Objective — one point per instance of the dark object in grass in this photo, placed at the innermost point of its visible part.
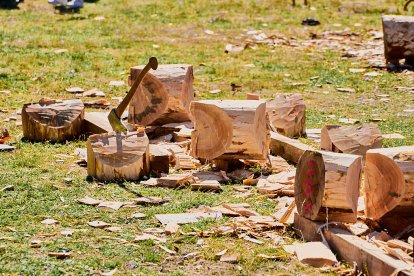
(10, 4)
(406, 4)
(310, 22)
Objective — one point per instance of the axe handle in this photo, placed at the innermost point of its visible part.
(152, 64)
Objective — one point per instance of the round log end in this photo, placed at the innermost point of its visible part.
(310, 184)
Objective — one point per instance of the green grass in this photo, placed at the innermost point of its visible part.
(101, 51)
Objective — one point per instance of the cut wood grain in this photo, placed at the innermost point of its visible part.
(327, 186)
(287, 115)
(166, 97)
(287, 148)
(96, 123)
(55, 121)
(370, 259)
(159, 159)
(116, 156)
(351, 139)
(389, 182)
(230, 129)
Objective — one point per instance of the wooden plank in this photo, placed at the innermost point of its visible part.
(369, 258)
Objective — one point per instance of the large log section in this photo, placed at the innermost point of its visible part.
(55, 121)
(287, 115)
(116, 156)
(327, 186)
(165, 95)
(351, 139)
(230, 129)
(389, 182)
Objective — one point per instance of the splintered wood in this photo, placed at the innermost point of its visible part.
(327, 186)
(52, 120)
(287, 115)
(389, 182)
(230, 129)
(351, 139)
(166, 95)
(116, 156)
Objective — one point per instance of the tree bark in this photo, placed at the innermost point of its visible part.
(55, 121)
(116, 156)
(230, 129)
(168, 92)
(389, 182)
(327, 186)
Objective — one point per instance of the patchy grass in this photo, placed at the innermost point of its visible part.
(173, 31)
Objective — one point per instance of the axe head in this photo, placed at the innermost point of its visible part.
(116, 122)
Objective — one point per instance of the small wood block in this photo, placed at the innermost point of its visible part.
(96, 123)
(315, 254)
(208, 185)
(159, 159)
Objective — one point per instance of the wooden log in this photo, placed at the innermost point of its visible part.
(168, 92)
(287, 115)
(398, 36)
(327, 186)
(370, 259)
(116, 156)
(351, 139)
(389, 182)
(230, 129)
(287, 148)
(55, 121)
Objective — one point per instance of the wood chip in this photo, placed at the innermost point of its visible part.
(75, 90)
(93, 93)
(185, 218)
(267, 257)
(7, 188)
(66, 232)
(60, 255)
(171, 228)
(207, 186)
(35, 243)
(101, 103)
(346, 90)
(98, 224)
(229, 258)
(49, 221)
(113, 229)
(145, 237)
(111, 205)
(166, 249)
(89, 201)
(116, 83)
(138, 215)
(150, 200)
(359, 228)
(315, 254)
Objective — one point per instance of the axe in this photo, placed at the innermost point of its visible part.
(114, 116)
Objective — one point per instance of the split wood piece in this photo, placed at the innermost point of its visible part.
(398, 36)
(287, 148)
(241, 209)
(406, 247)
(220, 176)
(316, 254)
(286, 208)
(287, 115)
(183, 135)
(167, 94)
(327, 186)
(207, 186)
(159, 159)
(351, 139)
(186, 162)
(55, 121)
(156, 131)
(116, 156)
(230, 129)
(96, 123)
(370, 259)
(175, 180)
(389, 182)
(279, 164)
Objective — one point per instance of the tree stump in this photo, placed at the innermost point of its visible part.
(116, 156)
(398, 38)
(230, 129)
(167, 95)
(55, 121)
(287, 115)
(327, 186)
(389, 182)
(350, 139)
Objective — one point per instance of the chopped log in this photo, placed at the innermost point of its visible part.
(287, 148)
(159, 159)
(351, 139)
(96, 123)
(370, 259)
(327, 186)
(55, 121)
(166, 96)
(116, 156)
(287, 115)
(230, 129)
(398, 36)
(389, 182)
